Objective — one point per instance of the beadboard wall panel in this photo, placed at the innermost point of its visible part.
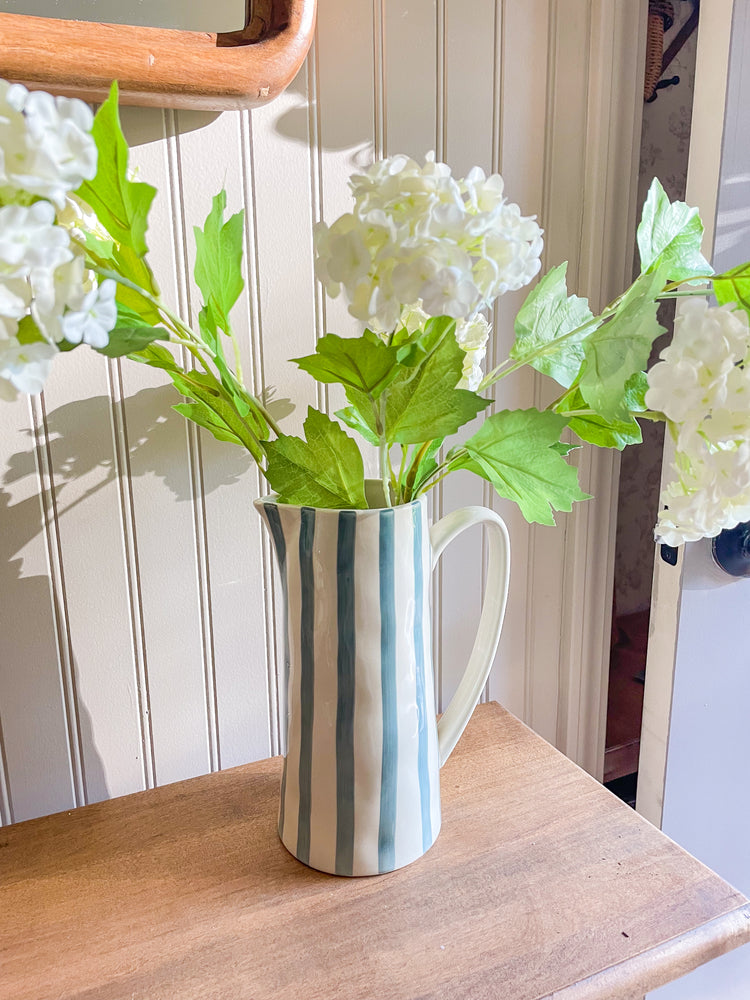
(140, 609)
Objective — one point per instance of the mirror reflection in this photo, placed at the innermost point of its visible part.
(198, 15)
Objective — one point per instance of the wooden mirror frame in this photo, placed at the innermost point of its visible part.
(161, 67)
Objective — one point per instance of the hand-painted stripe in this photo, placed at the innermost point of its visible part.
(277, 534)
(307, 677)
(389, 760)
(346, 691)
(422, 754)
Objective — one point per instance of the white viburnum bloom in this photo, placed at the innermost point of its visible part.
(30, 240)
(417, 235)
(47, 148)
(24, 367)
(15, 296)
(472, 336)
(92, 323)
(702, 386)
(60, 290)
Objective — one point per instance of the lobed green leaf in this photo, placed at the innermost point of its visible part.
(218, 260)
(620, 348)
(670, 235)
(424, 403)
(548, 315)
(518, 452)
(364, 363)
(324, 470)
(121, 205)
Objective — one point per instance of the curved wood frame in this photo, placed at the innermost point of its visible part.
(156, 66)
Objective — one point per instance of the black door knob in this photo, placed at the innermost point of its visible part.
(731, 550)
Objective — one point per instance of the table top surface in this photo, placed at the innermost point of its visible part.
(541, 884)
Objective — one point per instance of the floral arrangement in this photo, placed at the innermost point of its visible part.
(420, 258)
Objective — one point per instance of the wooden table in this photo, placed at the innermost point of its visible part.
(541, 884)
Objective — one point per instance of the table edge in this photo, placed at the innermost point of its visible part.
(654, 967)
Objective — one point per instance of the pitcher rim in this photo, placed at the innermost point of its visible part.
(272, 498)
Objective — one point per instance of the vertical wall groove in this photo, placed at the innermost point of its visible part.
(59, 601)
(378, 36)
(488, 494)
(6, 802)
(121, 453)
(275, 701)
(537, 381)
(316, 197)
(182, 269)
(437, 493)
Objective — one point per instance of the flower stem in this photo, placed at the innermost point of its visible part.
(385, 467)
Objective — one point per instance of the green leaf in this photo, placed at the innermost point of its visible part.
(126, 262)
(516, 451)
(595, 429)
(157, 357)
(128, 339)
(424, 403)
(218, 261)
(620, 348)
(121, 205)
(28, 332)
(363, 363)
(204, 388)
(607, 433)
(734, 286)
(354, 416)
(670, 234)
(414, 348)
(547, 315)
(325, 470)
(427, 465)
(200, 414)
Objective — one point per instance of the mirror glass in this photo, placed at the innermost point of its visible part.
(195, 15)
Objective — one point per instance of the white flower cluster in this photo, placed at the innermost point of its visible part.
(702, 386)
(46, 294)
(419, 238)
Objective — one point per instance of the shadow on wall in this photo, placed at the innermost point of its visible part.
(28, 674)
(32, 723)
(146, 454)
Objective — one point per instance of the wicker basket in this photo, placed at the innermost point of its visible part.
(660, 19)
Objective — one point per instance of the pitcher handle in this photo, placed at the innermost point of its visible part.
(458, 712)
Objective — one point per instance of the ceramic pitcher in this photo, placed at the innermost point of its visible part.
(360, 791)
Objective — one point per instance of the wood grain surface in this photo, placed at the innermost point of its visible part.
(161, 67)
(541, 885)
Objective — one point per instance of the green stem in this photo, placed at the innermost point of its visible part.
(237, 358)
(402, 472)
(549, 348)
(680, 294)
(385, 468)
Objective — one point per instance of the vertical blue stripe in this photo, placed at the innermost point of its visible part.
(423, 767)
(307, 677)
(345, 698)
(389, 764)
(277, 533)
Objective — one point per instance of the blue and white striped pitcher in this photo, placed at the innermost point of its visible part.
(360, 792)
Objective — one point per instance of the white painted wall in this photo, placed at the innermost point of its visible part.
(137, 605)
(707, 788)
